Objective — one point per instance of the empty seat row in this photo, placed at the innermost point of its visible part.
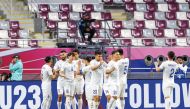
(61, 16)
(145, 1)
(18, 43)
(168, 7)
(138, 24)
(157, 33)
(6, 25)
(162, 15)
(14, 34)
(149, 42)
(66, 7)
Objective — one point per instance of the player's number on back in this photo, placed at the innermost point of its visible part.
(172, 73)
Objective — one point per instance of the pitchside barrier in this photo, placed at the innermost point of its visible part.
(141, 94)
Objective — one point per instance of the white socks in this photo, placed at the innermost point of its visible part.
(167, 103)
(68, 103)
(80, 103)
(59, 105)
(95, 105)
(118, 102)
(90, 104)
(73, 103)
(110, 103)
(123, 104)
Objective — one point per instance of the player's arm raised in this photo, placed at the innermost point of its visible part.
(158, 69)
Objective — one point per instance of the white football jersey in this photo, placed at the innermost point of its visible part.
(98, 74)
(75, 63)
(114, 76)
(169, 69)
(68, 70)
(87, 72)
(123, 65)
(58, 66)
(46, 71)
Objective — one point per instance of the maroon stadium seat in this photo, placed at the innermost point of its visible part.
(13, 34)
(33, 43)
(51, 24)
(12, 43)
(161, 24)
(173, 7)
(125, 42)
(116, 33)
(170, 15)
(14, 25)
(88, 7)
(43, 15)
(140, 24)
(151, 6)
(180, 32)
(170, 42)
(72, 24)
(72, 33)
(109, 2)
(131, 7)
(149, 15)
(43, 7)
(148, 42)
(149, 1)
(65, 7)
(137, 33)
(97, 24)
(106, 15)
(117, 24)
(159, 33)
(183, 23)
(63, 15)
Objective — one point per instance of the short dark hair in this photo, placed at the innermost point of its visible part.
(98, 52)
(76, 50)
(113, 52)
(63, 51)
(70, 54)
(16, 56)
(88, 58)
(180, 57)
(120, 50)
(48, 59)
(171, 54)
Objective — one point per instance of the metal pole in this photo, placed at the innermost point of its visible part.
(11, 8)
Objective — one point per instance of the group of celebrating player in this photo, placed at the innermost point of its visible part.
(94, 76)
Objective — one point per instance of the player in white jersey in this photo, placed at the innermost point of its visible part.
(87, 72)
(169, 67)
(182, 68)
(60, 80)
(46, 77)
(106, 84)
(123, 65)
(114, 81)
(79, 80)
(98, 67)
(67, 72)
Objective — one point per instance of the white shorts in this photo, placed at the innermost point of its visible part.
(97, 90)
(79, 86)
(60, 87)
(123, 85)
(47, 94)
(106, 88)
(114, 89)
(167, 91)
(69, 88)
(88, 92)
